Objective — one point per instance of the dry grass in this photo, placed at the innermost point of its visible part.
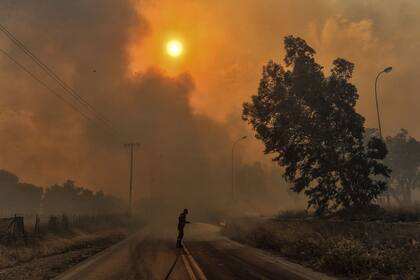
(354, 249)
(52, 244)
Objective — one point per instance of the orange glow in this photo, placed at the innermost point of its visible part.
(206, 56)
(174, 48)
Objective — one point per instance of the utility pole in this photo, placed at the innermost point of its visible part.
(233, 167)
(131, 146)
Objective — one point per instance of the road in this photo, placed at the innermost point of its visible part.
(150, 254)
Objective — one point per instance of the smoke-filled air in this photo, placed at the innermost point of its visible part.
(274, 139)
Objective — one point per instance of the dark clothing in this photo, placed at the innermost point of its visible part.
(180, 236)
(182, 220)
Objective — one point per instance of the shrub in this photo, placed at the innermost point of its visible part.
(367, 250)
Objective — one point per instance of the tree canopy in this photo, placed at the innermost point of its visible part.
(308, 121)
(71, 199)
(23, 198)
(17, 197)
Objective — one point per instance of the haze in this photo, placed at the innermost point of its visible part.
(185, 112)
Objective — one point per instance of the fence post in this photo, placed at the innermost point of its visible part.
(36, 229)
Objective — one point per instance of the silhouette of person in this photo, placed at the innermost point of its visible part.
(182, 220)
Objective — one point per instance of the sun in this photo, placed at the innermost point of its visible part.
(174, 48)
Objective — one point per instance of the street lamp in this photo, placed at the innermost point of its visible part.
(233, 173)
(386, 70)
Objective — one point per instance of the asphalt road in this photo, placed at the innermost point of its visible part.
(150, 254)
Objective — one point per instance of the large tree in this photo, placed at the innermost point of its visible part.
(308, 121)
(404, 160)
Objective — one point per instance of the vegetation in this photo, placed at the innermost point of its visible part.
(55, 243)
(404, 160)
(69, 198)
(18, 197)
(52, 254)
(353, 249)
(23, 198)
(308, 121)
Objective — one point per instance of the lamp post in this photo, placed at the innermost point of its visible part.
(233, 166)
(386, 70)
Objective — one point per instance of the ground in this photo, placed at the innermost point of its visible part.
(151, 252)
(268, 249)
(350, 249)
(54, 253)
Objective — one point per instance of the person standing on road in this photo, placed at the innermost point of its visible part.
(182, 220)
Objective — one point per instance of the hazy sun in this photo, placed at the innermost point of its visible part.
(174, 48)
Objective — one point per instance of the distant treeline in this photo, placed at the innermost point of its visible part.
(23, 198)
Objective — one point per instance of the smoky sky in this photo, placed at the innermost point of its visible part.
(228, 44)
(45, 141)
(184, 114)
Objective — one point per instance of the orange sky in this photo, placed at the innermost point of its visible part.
(226, 45)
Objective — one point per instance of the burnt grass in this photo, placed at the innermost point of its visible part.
(51, 254)
(367, 248)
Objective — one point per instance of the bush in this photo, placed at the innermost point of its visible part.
(367, 250)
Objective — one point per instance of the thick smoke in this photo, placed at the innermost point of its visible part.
(234, 41)
(43, 139)
(184, 158)
(185, 123)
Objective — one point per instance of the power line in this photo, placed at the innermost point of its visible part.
(95, 116)
(50, 73)
(46, 86)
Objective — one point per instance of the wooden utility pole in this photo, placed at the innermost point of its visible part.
(131, 146)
